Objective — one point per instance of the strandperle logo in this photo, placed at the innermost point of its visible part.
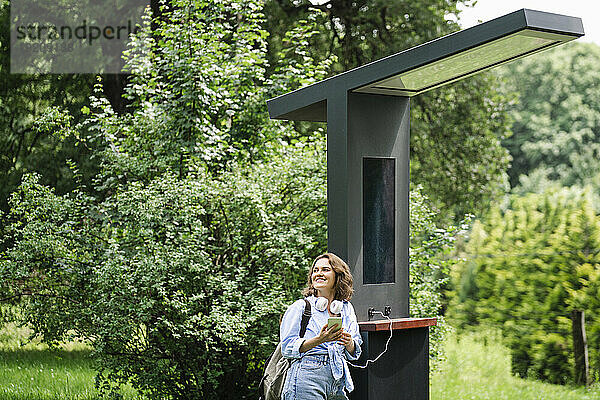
(72, 36)
(89, 33)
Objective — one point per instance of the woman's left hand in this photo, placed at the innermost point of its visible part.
(346, 341)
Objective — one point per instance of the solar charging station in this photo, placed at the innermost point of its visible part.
(367, 111)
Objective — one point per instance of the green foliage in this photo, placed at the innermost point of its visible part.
(168, 280)
(359, 32)
(478, 368)
(202, 215)
(527, 268)
(176, 260)
(430, 264)
(556, 128)
(27, 104)
(197, 92)
(456, 131)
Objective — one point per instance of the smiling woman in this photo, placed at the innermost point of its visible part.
(319, 369)
(330, 262)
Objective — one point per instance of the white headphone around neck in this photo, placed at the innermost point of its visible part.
(336, 305)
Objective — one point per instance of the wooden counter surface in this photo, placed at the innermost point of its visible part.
(397, 324)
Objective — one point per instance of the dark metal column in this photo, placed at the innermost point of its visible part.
(402, 373)
(378, 127)
(337, 174)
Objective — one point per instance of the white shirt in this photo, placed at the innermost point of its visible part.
(289, 334)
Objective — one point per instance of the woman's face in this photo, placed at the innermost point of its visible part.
(323, 277)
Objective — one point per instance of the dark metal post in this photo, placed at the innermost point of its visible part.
(378, 128)
(402, 373)
(337, 174)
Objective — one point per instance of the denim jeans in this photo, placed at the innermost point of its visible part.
(310, 378)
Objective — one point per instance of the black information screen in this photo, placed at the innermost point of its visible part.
(379, 190)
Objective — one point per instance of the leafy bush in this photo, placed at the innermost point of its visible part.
(196, 234)
(177, 284)
(527, 268)
(430, 255)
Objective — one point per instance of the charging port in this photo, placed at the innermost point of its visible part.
(371, 312)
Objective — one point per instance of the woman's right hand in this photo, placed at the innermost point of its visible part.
(329, 335)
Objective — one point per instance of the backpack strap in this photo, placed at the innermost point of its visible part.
(305, 318)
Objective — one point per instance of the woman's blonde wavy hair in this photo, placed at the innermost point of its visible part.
(343, 278)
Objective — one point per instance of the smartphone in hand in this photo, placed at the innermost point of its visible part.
(334, 321)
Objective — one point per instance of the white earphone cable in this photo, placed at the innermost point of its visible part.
(386, 345)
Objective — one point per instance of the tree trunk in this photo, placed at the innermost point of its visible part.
(582, 375)
(114, 84)
(114, 87)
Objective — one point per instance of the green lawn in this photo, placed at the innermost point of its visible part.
(29, 371)
(45, 375)
(40, 374)
(478, 371)
(473, 371)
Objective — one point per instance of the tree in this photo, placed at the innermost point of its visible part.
(202, 215)
(456, 153)
(527, 267)
(28, 104)
(556, 130)
(201, 210)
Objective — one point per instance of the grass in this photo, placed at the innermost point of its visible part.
(30, 371)
(474, 370)
(478, 370)
(41, 374)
